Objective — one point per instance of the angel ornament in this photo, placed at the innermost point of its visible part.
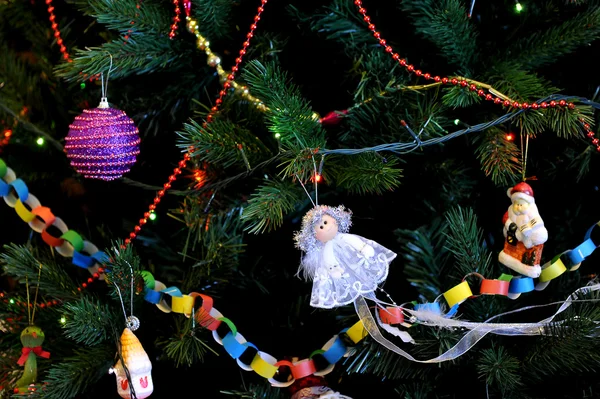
(342, 266)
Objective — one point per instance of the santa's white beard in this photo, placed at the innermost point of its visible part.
(530, 236)
(524, 217)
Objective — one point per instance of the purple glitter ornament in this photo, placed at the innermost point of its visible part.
(102, 143)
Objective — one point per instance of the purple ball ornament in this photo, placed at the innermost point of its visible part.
(102, 143)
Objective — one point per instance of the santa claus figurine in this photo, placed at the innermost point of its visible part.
(525, 233)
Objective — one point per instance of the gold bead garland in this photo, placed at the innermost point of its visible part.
(215, 61)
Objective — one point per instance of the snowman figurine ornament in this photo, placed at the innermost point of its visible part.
(342, 266)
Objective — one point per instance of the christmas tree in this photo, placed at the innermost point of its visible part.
(161, 160)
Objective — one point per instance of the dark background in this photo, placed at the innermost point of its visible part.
(107, 211)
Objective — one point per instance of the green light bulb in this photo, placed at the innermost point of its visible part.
(40, 141)
(82, 85)
(277, 135)
(519, 7)
(63, 320)
(153, 216)
(456, 121)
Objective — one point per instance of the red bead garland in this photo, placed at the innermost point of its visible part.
(41, 305)
(59, 40)
(177, 171)
(176, 20)
(91, 279)
(590, 134)
(464, 83)
(54, 25)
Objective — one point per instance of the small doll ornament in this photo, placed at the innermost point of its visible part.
(342, 266)
(139, 367)
(525, 233)
(32, 339)
(313, 387)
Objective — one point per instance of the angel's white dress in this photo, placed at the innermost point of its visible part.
(346, 267)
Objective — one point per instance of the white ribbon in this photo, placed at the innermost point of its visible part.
(477, 330)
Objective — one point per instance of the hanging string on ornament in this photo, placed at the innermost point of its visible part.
(471, 8)
(524, 154)
(103, 142)
(32, 339)
(133, 370)
(131, 322)
(306, 191)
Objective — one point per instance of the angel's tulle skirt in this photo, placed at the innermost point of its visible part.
(359, 274)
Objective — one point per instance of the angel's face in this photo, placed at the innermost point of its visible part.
(326, 229)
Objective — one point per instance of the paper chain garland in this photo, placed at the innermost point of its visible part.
(279, 373)
(320, 362)
(69, 244)
(508, 284)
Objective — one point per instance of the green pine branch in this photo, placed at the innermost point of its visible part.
(339, 21)
(581, 162)
(377, 120)
(149, 17)
(78, 373)
(545, 47)
(416, 390)
(464, 239)
(500, 158)
(453, 181)
(518, 84)
(19, 262)
(223, 143)
(89, 322)
(142, 54)
(571, 347)
(184, 347)
(562, 121)
(19, 86)
(221, 243)
(500, 370)
(446, 24)
(425, 258)
(258, 391)
(298, 160)
(124, 266)
(213, 17)
(379, 75)
(374, 359)
(269, 204)
(367, 173)
(457, 97)
(289, 115)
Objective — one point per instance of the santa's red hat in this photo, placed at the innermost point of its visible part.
(521, 191)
